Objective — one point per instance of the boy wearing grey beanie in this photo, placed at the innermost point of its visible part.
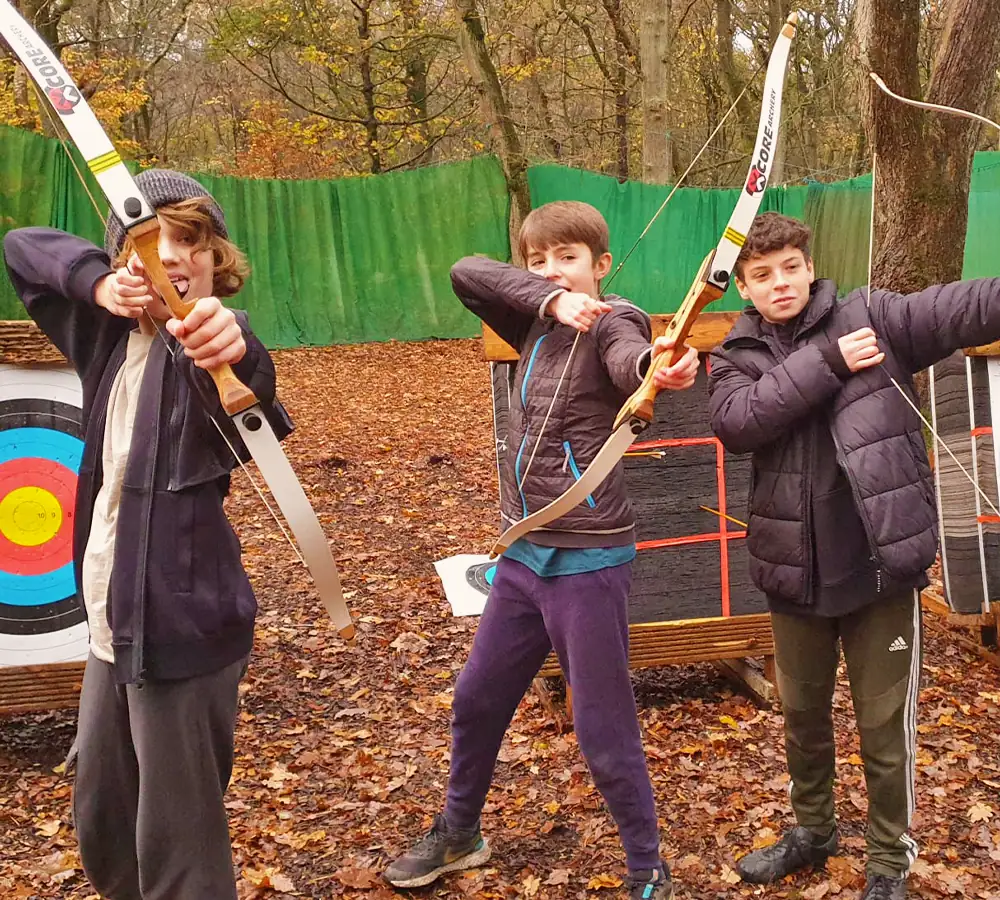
(157, 564)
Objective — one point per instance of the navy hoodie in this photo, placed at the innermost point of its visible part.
(179, 601)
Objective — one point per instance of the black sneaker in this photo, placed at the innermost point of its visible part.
(650, 884)
(440, 850)
(797, 849)
(884, 887)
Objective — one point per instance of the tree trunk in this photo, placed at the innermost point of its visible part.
(621, 116)
(777, 12)
(526, 55)
(416, 63)
(472, 39)
(924, 158)
(45, 17)
(368, 89)
(618, 76)
(654, 43)
(724, 48)
(416, 94)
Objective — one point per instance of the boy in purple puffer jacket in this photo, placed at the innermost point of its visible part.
(564, 586)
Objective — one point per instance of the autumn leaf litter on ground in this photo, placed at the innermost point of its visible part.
(342, 750)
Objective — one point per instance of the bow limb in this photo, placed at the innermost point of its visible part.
(933, 107)
(142, 227)
(709, 285)
(965, 114)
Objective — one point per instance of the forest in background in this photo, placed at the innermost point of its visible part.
(332, 88)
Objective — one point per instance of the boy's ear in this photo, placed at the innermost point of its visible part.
(741, 287)
(602, 265)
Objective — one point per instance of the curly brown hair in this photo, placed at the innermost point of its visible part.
(564, 222)
(193, 221)
(772, 231)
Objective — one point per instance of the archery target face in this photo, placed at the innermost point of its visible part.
(466, 579)
(41, 445)
(480, 576)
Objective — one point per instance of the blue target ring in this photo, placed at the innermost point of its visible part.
(44, 443)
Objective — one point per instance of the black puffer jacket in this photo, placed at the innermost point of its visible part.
(764, 397)
(607, 366)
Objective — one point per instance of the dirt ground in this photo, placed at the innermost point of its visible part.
(342, 751)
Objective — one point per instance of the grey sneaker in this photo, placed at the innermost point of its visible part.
(797, 849)
(650, 884)
(884, 887)
(441, 850)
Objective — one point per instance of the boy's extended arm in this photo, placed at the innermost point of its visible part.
(54, 274)
(748, 413)
(623, 337)
(505, 297)
(927, 326)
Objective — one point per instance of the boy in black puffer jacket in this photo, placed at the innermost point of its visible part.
(843, 524)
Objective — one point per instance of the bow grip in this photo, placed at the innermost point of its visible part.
(234, 395)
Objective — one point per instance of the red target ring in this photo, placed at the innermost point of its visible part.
(56, 485)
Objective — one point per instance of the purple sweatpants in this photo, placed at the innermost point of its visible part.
(584, 617)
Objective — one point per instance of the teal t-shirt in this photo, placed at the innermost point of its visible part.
(548, 562)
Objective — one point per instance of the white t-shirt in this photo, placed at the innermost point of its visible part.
(99, 557)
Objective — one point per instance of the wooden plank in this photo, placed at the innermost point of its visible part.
(933, 602)
(693, 640)
(761, 690)
(984, 350)
(23, 343)
(708, 331)
(41, 687)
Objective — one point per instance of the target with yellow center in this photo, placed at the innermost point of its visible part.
(41, 447)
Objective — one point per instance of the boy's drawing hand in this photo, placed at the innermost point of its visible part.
(681, 375)
(579, 311)
(860, 349)
(124, 294)
(210, 334)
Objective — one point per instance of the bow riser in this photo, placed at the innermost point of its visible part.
(234, 395)
(701, 293)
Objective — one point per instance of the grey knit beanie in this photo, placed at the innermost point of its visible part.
(160, 187)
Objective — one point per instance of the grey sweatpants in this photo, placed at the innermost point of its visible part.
(881, 645)
(152, 765)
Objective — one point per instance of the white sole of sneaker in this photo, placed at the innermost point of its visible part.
(469, 861)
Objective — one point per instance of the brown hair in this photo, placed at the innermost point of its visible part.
(772, 231)
(564, 222)
(192, 219)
